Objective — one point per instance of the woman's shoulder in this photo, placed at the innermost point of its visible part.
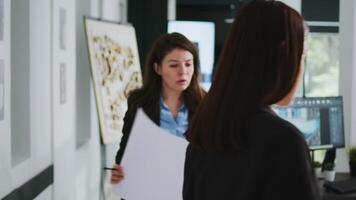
(135, 94)
(280, 137)
(142, 98)
(134, 100)
(274, 127)
(136, 97)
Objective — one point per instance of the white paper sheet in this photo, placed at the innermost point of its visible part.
(153, 163)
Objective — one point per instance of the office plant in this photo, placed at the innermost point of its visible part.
(316, 164)
(329, 171)
(317, 168)
(352, 161)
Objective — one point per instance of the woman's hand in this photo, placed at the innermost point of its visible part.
(117, 175)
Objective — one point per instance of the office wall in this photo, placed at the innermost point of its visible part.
(61, 95)
(32, 26)
(78, 153)
(64, 95)
(5, 149)
(348, 76)
(44, 69)
(114, 11)
(171, 9)
(87, 156)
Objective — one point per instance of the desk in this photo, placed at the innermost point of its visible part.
(332, 196)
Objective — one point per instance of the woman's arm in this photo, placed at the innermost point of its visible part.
(128, 121)
(117, 175)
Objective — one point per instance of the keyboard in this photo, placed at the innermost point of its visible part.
(342, 187)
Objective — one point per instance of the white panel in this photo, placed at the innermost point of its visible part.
(20, 135)
(95, 157)
(64, 171)
(2, 20)
(5, 149)
(82, 77)
(2, 89)
(172, 5)
(37, 56)
(353, 122)
(123, 11)
(95, 8)
(110, 10)
(88, 158)
(40, 84)
(347, 77)
(20, 82)
(88, 170)
(63, 83)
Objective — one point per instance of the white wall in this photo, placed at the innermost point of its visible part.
(40, 87)
(113, 10)
(348, 76)
(63, 126)
(78, 152)
(38, 54)
(6, 183)
(171, 10)
(110, 10)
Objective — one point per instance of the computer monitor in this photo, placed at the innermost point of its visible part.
(320, 119)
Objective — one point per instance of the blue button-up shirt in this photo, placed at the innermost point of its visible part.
(176, 126)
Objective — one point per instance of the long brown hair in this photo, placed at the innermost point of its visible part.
(148, 95)
(258, 66)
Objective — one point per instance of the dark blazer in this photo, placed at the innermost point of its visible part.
(273, 164)
(153, 112)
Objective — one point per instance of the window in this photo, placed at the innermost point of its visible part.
(322, 65)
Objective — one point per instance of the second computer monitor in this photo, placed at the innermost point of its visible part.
(320, 119)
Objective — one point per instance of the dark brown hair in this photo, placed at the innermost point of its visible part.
(258, 66)
(149, 94)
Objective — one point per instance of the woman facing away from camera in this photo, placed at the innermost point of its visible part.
(170, 91)
(239, 148)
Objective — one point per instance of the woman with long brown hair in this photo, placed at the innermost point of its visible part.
(170, 91)
(239, 148)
